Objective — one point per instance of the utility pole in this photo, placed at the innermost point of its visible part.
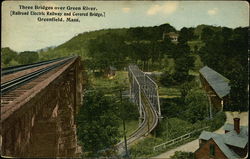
(210, 94)
(148, 125)
(210, 107)
(124, 129)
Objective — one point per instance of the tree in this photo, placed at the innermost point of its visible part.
(8, 55)
(196, 109)
(107, 50)
(185, 88)
(182, 66)
(185, 35)
(207, 34)
(226, 51)
(27, 57)
(143, 51)
(166, 79)
(13, 63)
(238, 97)
(97, 123)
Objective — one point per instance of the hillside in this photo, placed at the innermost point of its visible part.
(78, 45)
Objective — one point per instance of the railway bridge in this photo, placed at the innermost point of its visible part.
(38, 107)
(144, 93)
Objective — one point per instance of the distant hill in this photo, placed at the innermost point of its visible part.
(46, 49)
(78, 45)
(198, 29)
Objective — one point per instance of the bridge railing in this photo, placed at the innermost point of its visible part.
(177, 140)
(135, 92)
(147, 85)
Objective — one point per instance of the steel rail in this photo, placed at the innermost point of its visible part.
(155, 114)
(150, 115)
(149, 123)
(150, 119)
(13, 69)
(134, 133)
(13, 84)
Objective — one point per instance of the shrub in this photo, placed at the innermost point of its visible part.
(144, 148)
(183, 155)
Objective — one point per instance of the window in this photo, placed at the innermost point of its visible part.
(212, 151)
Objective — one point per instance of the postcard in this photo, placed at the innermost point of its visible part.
(124, 79)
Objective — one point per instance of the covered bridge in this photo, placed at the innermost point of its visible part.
(216, 86)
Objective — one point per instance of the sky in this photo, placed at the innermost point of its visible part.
(26, 33)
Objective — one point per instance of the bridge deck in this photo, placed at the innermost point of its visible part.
(15, 75)
(13, 100)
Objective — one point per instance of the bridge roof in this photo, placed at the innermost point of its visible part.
(218, 82)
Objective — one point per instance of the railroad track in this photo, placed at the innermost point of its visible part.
(149, 123)
(17, 82)
(13, 69)
(143, 88)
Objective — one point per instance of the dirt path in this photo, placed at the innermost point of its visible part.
(194, 145)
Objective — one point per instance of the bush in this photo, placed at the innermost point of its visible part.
(144, 148)
(97, 123)
(196, 106)
(166, 79)
(131, 110)
(182, 155)
(218, 121)
(171, 107)
(172, 128)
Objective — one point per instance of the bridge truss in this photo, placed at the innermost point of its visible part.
(142, 83)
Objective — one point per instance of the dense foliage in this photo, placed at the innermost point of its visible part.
(8, 57)
(12, 58)
(27, 57)
(181, 54)
(97, 123)
(226, 51)
(101, 115)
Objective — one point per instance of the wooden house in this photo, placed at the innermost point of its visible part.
(111, 71)
(231, 145)
(216, 86)
(172, 35)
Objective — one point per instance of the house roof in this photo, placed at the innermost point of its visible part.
(243, 129)
(224, 148)
(206, 135)
(220, 141)
(172, 34)
(231, 138)
(218, 82)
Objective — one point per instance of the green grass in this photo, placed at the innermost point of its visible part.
(194, 43)
(130, 125)
(107, 84)
(193, 73)
(148, 147)
(198, 64)
(168, 64)
(169, 92)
